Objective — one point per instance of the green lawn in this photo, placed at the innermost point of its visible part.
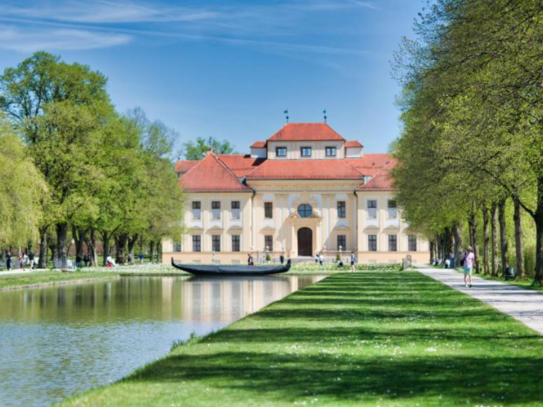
(363, 339)
(49, 277)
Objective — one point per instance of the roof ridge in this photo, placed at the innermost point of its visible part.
(198, 162)
(228, 169)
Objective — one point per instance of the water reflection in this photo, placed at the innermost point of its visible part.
(58, 341)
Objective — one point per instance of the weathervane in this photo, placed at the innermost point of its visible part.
(286, 114)
(324, 113)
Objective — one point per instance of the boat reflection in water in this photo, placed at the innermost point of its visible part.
(59, 341)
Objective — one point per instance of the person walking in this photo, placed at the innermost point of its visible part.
(316, 258)
(468, 267)
(86, 259)
(141, 258)
(31, 259)
(321, 259)
(250, 260)
(8, 260)
(353, 261)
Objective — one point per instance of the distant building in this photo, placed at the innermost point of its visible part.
(305, 190)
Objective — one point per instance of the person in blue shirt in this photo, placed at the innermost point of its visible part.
(353, 261)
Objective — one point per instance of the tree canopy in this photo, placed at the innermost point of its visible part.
(196, 150)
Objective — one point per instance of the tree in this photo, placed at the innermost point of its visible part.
(58, 109)
(196, 150)
(477, 69)
(21, 190)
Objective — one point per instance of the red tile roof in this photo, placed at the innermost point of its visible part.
(306, 132)
(370, 164)
(239, 164)
(183, 166)
(258, 144)
(305, 169)
(351, 144)
(211, 175)
(381, 181)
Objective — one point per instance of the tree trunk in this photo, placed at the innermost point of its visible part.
(62, 244)
(494, 227)
(473, 237)
(151, 250)
(105, 242)
(132, 240)
(158, 251)
(519, 240)
(504, 246)
(120, 247)
(90, 241)
(42, 261)
(432, 250)
(486, 241)
(79, 236)
(538, 218)
(457, 233)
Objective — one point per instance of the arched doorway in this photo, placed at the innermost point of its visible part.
(305, 242)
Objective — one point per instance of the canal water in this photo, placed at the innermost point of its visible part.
(59, 341)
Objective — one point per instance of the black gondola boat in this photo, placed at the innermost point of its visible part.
(218, 270)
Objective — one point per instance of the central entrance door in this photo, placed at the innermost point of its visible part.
(305, 242)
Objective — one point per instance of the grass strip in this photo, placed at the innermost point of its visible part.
(38, 278)
(362, 339)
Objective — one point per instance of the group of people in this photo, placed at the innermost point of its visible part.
(319, 259)
(25, 259)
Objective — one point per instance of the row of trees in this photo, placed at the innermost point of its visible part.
(472, 144)
(76, 169)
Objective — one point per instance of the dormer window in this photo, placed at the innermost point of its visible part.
(330, 151)
(281, 151)
(305, 151)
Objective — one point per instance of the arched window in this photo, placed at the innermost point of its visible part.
(305, 210)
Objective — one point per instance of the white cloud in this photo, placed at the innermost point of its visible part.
(15, 39)
(105, 12)
(365, 4)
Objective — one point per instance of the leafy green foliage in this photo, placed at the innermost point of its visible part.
(21, 190)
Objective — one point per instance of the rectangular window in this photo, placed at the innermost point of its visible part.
(236, 247)
(341, 212)
(216, 243)
(305, 151)
(196, 243)
(341, 242)
(392, 210)
(196, 210)
(215, 210)
(412, 243)
(177, 246)
(372, 243)
(372, 209)
(268, 210)
(235, 210)
(281, 151)
(268, 243)
(330, 151)
(392, 243)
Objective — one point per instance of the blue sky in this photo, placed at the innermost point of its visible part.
(228, 69)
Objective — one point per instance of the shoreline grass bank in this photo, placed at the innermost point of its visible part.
(37, 279)
(362, 339)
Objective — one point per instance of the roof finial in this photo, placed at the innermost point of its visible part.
(286, 114)
(324, 113)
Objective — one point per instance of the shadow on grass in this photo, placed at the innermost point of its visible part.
(338, 340)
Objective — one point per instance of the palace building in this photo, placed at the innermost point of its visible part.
(304, 190)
